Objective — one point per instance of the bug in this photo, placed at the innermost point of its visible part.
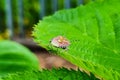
(60, 42)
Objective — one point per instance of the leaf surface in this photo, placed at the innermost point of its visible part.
(54, 74)
(94, 34)
(15, 57)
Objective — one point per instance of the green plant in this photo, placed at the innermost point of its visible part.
(54, 74)
(15, 58)
(18, 63)
(93, 31)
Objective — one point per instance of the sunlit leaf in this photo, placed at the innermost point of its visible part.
(94, 34)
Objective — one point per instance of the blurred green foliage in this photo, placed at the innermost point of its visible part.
(2, 16)
(31, 10)
(15, 57)
(31, 13)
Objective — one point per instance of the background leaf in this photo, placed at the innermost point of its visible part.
(15, 58)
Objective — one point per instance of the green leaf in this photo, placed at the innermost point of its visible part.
(15, 57)
(94, 34)
(54, 74)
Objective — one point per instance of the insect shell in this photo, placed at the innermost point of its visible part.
(60, 42)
